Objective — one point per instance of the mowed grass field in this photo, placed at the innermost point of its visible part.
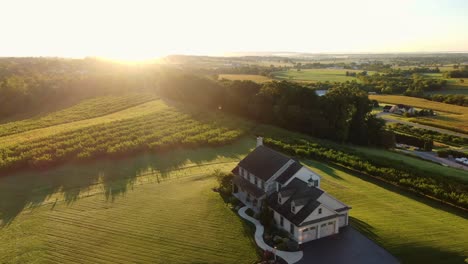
(146, 209)
(315, 75)
(452, 117)
(412, 229)
(245, 77)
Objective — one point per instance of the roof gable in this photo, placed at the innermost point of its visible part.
(263, 162)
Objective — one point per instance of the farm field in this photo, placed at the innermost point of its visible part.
(180, 220)
(87, 109)
(244, 77)
(452, 117)
(412, 230)
(316, 75)
(132, 112)
(165, 129)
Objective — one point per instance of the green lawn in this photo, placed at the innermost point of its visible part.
(315, 75)
(414, 230)
(147, 209)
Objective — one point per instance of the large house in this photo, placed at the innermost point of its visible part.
(292, 192)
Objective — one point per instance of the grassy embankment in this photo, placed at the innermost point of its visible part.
(451, 117)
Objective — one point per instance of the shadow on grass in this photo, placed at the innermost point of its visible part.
(324, 168)
(364, 228)
(28, 189)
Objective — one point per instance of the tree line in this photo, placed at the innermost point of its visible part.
(343, 114)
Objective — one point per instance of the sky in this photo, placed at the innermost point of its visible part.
(139, 30)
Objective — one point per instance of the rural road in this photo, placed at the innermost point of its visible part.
(387, 117)
(433, 157)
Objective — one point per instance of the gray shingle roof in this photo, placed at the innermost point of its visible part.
(289, 172)
(303, 194)
(263, 162)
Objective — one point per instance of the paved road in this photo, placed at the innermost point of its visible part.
(387, 117)
(349, 246)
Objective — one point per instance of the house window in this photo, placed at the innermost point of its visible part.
(323, 225)
(279, 199)
(293, 208)
(281, 221)
(320, 210)
(316, 183)
(330, 223)
(291, 229)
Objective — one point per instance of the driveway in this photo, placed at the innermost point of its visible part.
(349, 246)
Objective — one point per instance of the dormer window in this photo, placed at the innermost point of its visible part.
(320, 211)
(279, 199)
(293, 208)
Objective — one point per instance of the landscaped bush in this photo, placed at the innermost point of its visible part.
(447, 189)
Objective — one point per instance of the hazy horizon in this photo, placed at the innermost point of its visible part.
(141, 30)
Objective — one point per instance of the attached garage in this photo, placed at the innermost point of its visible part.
(342, 220)
(327, 229)
(309, 234)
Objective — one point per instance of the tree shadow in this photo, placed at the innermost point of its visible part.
(322, 167)
(112, 177)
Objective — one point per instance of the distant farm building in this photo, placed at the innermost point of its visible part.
(402, 109)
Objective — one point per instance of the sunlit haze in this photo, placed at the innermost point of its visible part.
(136, 30)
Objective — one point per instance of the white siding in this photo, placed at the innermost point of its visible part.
(304, 174)
(315, 214)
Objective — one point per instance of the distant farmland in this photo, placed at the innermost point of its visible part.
(245, 77)
(315, 75)
(452, 117)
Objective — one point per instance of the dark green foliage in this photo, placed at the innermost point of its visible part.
(420, 142)
(342, 115)
(266, 216)
(456, 99)
(450, 190)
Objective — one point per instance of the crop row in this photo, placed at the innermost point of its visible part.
(87, 109)
(162, 130)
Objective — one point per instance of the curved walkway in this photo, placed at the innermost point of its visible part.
(290, 257)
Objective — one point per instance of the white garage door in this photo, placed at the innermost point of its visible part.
(309, 234)
(342, 220)
(327, 229)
